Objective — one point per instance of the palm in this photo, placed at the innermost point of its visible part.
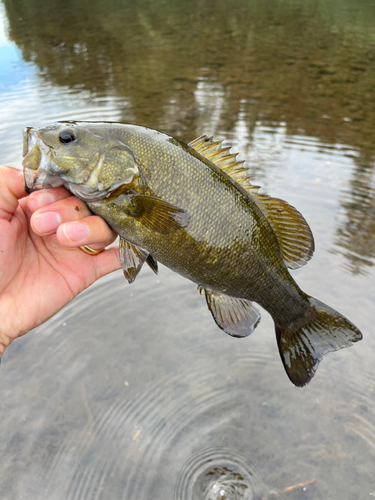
(38, 275)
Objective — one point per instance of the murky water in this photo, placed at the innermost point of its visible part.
(131, 392)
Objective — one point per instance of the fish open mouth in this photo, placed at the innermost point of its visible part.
(37, 162)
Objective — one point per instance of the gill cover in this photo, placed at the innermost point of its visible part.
(115, 168)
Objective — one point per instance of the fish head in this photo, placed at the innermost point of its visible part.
(87, 159)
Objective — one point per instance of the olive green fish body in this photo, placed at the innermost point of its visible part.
(192, 208)
(227, 246)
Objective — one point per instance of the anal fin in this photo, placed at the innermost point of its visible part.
(237, 317)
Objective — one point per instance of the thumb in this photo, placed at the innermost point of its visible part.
(12, 189)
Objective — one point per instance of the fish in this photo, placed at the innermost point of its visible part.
(193, 208)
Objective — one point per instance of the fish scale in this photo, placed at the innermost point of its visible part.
(192, 207)
(211, 234)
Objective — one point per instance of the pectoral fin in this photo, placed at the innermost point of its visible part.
(156, 214)
(237, 317)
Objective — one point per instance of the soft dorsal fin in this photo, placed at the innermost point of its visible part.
(292, 231)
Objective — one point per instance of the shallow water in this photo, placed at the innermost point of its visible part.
(131, 392)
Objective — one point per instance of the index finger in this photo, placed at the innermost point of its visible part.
(45, 197)
(12, 189)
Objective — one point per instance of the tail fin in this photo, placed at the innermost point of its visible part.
(302, 344)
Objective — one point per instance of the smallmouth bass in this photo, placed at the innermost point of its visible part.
(192, 208)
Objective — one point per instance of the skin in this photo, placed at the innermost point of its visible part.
(41, 266)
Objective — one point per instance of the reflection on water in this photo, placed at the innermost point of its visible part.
(132, 392)
(356, 233)
(306, 63)
(201, 66)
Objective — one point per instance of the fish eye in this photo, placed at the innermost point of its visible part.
(67, 137)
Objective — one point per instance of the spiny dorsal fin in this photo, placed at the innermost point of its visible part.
(292, 231)
(222, 158)
(212, 150)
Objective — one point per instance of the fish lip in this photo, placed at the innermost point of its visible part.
(40, 179)
(25, 136)
(37, 162)
(34, 180)
(30, 137)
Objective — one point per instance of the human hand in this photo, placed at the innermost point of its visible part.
(41, 266)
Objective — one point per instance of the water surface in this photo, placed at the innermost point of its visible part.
(131, 391)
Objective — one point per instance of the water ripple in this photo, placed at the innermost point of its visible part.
(218, 473)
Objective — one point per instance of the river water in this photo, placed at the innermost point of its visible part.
(132, 392)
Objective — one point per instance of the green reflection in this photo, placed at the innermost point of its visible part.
(307, 63)
(356, 235)
(293, 61)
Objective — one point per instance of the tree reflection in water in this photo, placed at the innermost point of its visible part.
(309, 65)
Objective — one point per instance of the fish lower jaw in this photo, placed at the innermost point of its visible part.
(91, 194)
(40, 179)
(85, 195)
(33, 179)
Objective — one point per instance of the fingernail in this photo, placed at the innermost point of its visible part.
(47, 222)
(41, 199)
(75, 231)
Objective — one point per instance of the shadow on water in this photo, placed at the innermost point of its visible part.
(133, 393)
